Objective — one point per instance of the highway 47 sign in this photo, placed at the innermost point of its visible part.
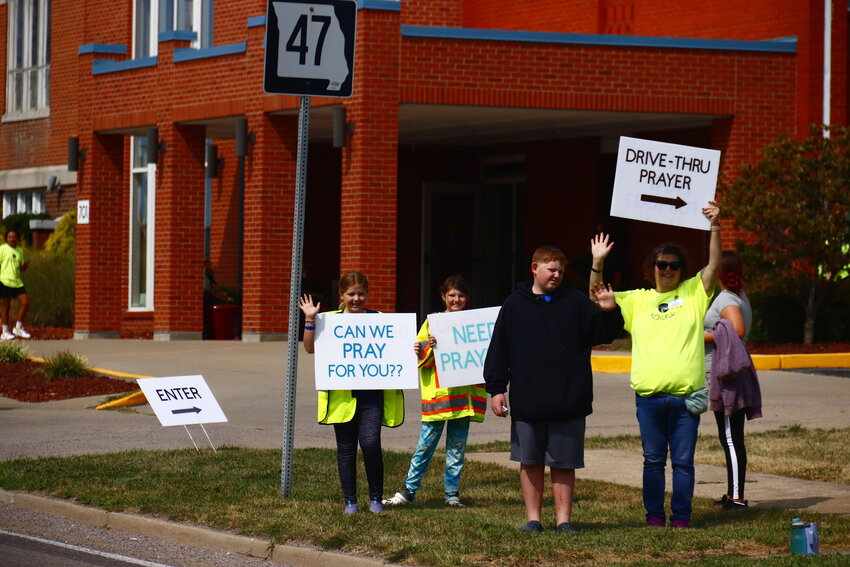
(664, 183)
(181, 400)
(310, 47)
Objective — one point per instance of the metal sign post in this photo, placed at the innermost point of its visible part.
(309, 51)
(294, 294)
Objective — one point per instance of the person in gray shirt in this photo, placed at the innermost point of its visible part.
(733, 305)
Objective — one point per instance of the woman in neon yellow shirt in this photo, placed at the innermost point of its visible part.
(12, 264)
(668, 363)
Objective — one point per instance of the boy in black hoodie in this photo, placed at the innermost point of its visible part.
(541, 347)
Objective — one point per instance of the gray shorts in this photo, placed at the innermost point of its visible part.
(557, 444)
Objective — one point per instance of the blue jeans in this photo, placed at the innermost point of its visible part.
(664, 421)
(457, 431)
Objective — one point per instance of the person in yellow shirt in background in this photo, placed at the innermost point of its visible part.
(12, 264)
(456, 407)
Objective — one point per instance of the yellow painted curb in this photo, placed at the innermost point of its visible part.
(611, 364)
(132, 399)
(824, 360)
(622, 364)
(767, 361)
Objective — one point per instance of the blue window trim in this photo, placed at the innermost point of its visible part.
(256, 21)
(389, 5)
(181, 54)
(102, 48)
(101, 66)
(784, 45)
(177, 35)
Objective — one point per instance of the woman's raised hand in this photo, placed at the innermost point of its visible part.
(600, 246)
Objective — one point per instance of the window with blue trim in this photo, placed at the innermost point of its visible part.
(28, 78)
(152, 17)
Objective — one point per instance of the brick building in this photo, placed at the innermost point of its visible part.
(479, 131)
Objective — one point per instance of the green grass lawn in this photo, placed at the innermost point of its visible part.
(238, 490)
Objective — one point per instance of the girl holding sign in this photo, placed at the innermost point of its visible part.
(357, 415)
(457, 406)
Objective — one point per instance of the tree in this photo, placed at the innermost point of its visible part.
(796, 202)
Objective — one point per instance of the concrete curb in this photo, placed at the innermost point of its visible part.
(176, 532)
(622, 364)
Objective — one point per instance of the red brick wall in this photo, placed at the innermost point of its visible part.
(179, 255)
(101, 292)
(226, 211)
(269, 203)
(369, 182)
(378, 208)
(440, 13)
(576, 16)
(724, 19)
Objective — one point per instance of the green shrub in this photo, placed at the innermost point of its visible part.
(64, 238)
(65, 364)
(50, 286)
(20, 223)
(778, 317)
(13, 351)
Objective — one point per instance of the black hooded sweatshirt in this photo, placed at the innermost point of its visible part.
(542, 349)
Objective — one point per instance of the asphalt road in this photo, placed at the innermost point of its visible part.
(65, 543)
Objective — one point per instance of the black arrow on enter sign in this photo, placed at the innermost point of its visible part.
(677, 202)
(187, 410)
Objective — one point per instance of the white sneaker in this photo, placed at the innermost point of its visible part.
(21, 333)
(455, 501)
(396, 500)
(7, 336)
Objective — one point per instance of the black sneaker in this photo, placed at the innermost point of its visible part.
(722, 501)
(532, 526)
(566, 527)
(736, 504)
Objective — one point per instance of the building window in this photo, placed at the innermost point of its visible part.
(152, 17)
(29, 201)
(142, 215)
(28, 80)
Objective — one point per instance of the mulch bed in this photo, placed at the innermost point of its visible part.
(794, 348)
(24, 382)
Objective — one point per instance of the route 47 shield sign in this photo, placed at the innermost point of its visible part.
(310, 47)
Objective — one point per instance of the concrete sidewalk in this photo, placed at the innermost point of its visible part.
(248, 382)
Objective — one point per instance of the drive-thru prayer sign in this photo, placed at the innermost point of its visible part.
(365, 351)
(664, 183)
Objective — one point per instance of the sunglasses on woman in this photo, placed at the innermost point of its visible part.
(662, 265)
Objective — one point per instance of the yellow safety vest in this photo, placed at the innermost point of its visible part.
(339, 406)
(443, 404)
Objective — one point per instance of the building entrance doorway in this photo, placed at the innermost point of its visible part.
(473, 230)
